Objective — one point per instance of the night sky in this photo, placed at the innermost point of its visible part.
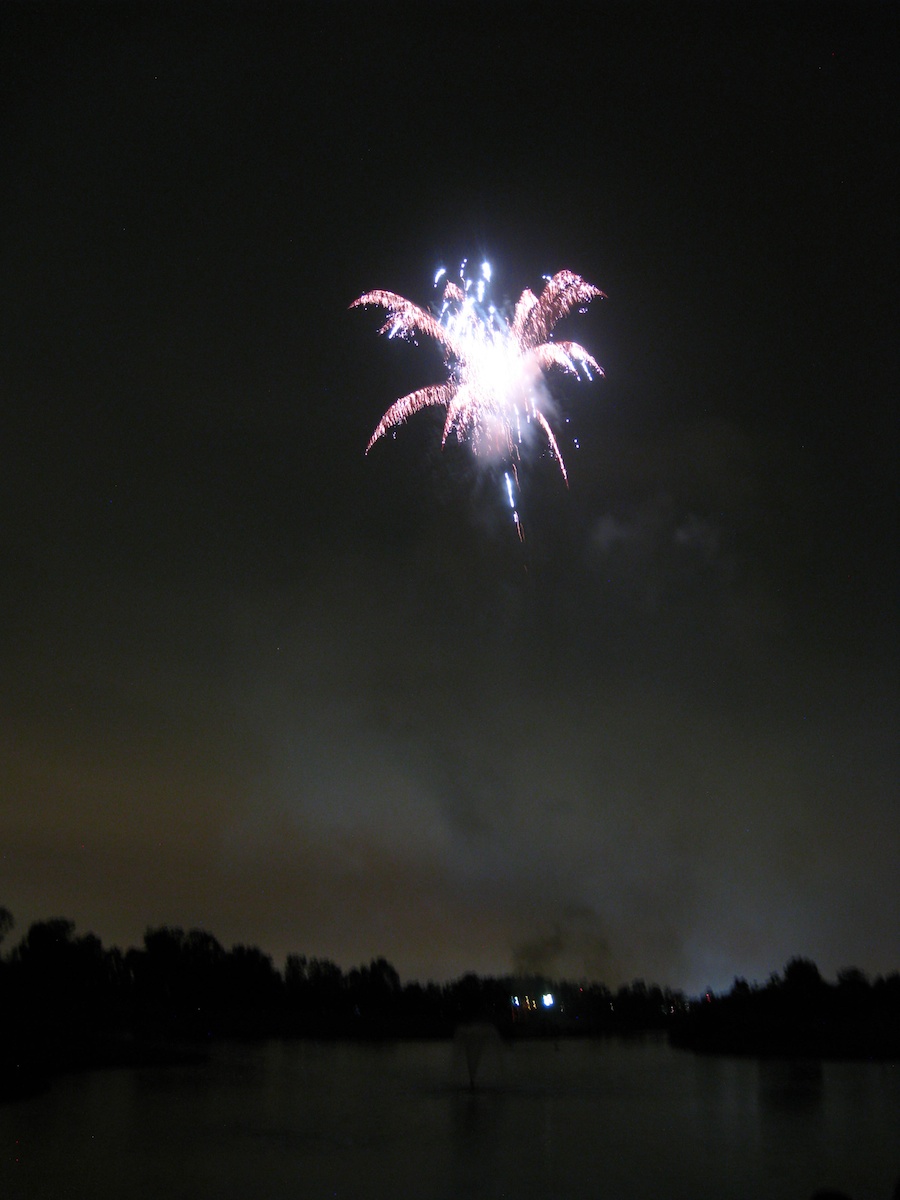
(257, 682)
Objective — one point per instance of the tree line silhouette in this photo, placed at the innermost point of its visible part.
(66, 1001)
(797, 1014)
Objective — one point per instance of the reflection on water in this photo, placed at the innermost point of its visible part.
(795, 1084)
(605, 1119)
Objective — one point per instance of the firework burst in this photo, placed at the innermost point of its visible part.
(495, 365)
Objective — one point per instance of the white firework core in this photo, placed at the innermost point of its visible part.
(495, 366)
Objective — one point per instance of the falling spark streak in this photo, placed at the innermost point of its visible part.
(509, 491)
(495, 365)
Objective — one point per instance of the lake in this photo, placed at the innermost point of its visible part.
(582, 1119)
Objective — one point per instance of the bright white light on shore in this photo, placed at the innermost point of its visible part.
(548, 999)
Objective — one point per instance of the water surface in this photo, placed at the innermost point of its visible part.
(605, 1119)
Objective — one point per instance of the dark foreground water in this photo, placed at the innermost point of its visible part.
(611, 1120)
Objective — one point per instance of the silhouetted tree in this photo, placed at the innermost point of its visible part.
(295, 974)
(801, 976)
(325, 978)
(180, 980)
(375, 988)
(852, 981)
(7, 923)
(253, 991)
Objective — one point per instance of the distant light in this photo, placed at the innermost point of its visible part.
(548, 999)
(515, 1001)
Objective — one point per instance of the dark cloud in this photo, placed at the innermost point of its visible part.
(576, 948)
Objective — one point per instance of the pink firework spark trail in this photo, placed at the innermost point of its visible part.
(495, 365)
